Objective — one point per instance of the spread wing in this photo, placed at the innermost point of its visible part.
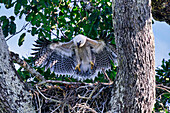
(102, 54)
(57, 56)
(61, 57)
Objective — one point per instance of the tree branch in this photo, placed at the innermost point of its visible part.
(73, 83)
(26, 66)
(163, 89)
(163, 86)
(18, 31)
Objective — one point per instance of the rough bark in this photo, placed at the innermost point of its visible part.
(134, 90)
(14, 97)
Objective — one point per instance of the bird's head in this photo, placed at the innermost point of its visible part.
(79, 40)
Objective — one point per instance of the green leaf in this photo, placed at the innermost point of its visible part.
(21, 39)
(33, 21)
(12, 18)
(38, 23)
(8, 3)
(5, 27)
(2, 18)
(17, 8)
(40, 34)
(12, 29)
(21, 13)
(5, 22)
(29, 17)
(46, 27)
(24, 2)
(43, 18)
(33, 32)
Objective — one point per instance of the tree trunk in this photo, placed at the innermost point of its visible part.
(134, 90)
(14, 96)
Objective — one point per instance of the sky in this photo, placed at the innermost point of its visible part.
(161, 32)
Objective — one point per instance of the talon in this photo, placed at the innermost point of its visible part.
(77, 67)
(92, 64)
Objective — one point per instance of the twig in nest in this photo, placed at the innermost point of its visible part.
(47, 97)
(62, 82)
(39, 104)
(83, 108)
(56, 109)
(73, 83)
(26, 66)
(99, 92)
(91, 94)
(98, 98)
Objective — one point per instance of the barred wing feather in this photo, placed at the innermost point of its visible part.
(57, 56)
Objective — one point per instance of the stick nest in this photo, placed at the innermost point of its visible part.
(68, 98)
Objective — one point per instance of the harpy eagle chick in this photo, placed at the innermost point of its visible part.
(82, 58)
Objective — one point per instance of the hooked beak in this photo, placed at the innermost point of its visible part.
(78, 44)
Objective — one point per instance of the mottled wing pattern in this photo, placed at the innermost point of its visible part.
(42, 51)
(104, 57)
(60, 64)
(102, 54)
(55, 56)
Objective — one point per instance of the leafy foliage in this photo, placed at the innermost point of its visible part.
(9, 27)
(163, 77)
(68, 16)
(160, 9)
